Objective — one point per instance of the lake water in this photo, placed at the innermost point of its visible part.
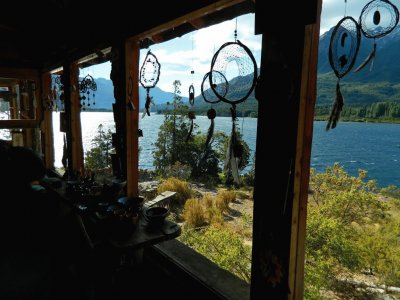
(368, 146)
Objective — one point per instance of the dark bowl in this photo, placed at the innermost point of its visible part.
(156, 214)
(132, 203)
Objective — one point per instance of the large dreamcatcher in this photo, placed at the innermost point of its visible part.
(377, 19)
(149, 76)
(233, 85)
(343, 49)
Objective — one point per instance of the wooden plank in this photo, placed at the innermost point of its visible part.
(219, 5)
(77, 148)
(47, 125)
(303, 156)
(30, 74)
(132, 116)
(16, 123)
(162, 199)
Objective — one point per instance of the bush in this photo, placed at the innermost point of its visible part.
(182, 189)
(224, 197)
(194, 213)
(223, 247)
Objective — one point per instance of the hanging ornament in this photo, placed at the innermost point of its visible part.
(234, 151)
(343, 49)
(191, 94)
(149, 76)
(87, 86)
(210, 97)
(378, 18)
(191, 116)
(242, 84)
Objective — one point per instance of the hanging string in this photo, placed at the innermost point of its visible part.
(345, 7)
(235, 32)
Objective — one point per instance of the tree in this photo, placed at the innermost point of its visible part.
(171, 146)
(98, 157)
(341, 208)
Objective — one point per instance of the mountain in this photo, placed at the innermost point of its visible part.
(105, 95)
(248, 107)
(366, 86)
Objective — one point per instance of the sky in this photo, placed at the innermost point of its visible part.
(195, 50)
(334, 10)
(192, 51)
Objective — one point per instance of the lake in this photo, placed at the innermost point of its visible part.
(373, 147)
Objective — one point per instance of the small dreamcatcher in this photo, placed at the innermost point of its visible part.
(241, 85)
(343, 50)
(55, 98)
(191, 114)
(377, 19)
(149, 76)
(87, 87)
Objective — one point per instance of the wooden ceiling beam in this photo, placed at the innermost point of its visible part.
(197, 14)
(197, 23)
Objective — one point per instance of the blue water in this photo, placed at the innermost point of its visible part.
(368, 146)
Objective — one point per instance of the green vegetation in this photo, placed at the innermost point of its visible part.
(177, 156)
(350, 229)
(98, 157)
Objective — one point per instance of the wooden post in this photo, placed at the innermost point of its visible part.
(308, 95)
(132, 116)
(76, 129)
(47, 124)
(286, 69)
(73, 121)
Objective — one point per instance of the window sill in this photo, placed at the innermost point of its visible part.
(176, 257)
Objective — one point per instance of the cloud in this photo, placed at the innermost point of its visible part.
(334, 10)
(194, 51)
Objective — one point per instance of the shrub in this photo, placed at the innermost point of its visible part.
(224, 197)
(221, 246)
(182, 189)
(194, 213)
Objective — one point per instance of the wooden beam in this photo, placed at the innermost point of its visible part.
(46, 124)
(308, 97)
(219, 5)
(29, 74)
(76, 129)
(197, 23)
(16, 123)
(132, 52)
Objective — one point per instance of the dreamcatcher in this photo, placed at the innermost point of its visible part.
(343, 49)
(191, 114)
(56, 93)
(238, 90)
(377, 19)
(210, 97)
(149, 75)
(87, 87)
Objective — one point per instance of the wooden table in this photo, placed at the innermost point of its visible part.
(143, 235)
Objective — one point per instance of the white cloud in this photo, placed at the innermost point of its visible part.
(193, 51)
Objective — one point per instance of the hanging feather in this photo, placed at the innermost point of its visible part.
(147, 105)
(231, 162)
(192, 116)
(336, 109)
(369, 58)
(211, 114)
(64, 159)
